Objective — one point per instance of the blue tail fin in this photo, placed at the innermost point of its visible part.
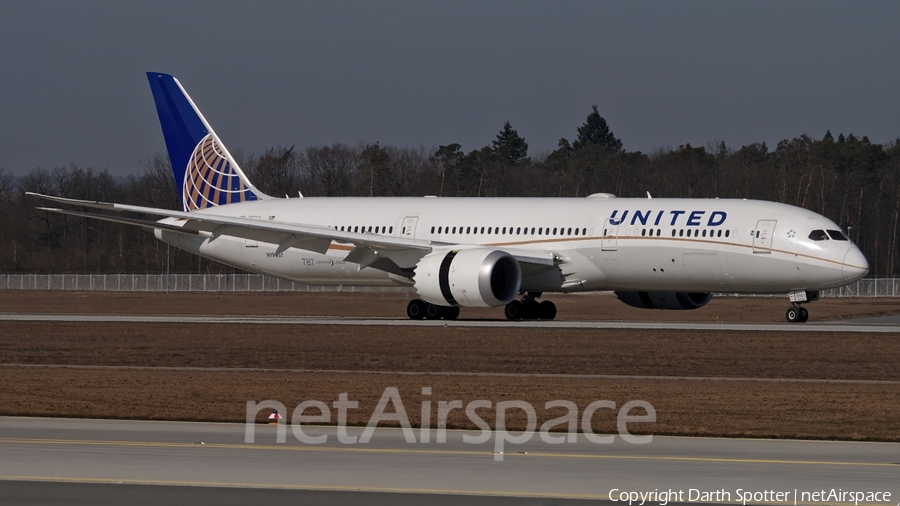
(204, 170)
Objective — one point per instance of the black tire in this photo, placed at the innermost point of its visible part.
(793, 315)
(531, 310)
(451, 313)
(416, 309)
(433, 312)
(804, 315)
(547, 310)
(513, 310)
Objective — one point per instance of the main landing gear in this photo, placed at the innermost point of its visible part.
(798, 313)
(530, 309)
(419, 309)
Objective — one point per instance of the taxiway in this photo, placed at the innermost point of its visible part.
(875, 327)
(99, 452)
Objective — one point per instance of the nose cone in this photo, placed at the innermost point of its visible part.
(855, 265)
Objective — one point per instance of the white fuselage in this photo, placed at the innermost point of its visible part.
(693, 245)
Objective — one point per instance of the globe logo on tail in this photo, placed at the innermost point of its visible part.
(210, 180)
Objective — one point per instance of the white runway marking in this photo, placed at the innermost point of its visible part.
(402, 322)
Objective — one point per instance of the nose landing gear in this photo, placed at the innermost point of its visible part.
(530, 309)
(797, 313)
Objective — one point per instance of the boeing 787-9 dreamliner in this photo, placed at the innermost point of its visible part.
(487, 252)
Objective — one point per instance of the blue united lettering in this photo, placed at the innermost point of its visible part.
(680, 217)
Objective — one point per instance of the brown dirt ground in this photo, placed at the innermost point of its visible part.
(571, 307)
(456, 349)
(107, 387)
(737, 409)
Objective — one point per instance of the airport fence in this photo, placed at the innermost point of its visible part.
(171, 283)
(868, 287)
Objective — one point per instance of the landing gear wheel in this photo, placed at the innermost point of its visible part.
(793, 315)
(433, 312)
(514, 310)
(804, 315)
(547, 310)
(416, 309)
(531, 308)
(451, 313)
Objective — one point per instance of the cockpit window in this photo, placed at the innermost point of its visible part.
(818, 235)
(837, 235)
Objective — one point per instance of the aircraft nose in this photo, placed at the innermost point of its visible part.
(855, 265)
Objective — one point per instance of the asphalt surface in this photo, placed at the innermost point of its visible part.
(888, 326)
(97, 455)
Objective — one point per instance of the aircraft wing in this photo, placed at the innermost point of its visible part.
(367, 247)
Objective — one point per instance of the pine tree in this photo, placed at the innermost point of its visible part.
(595, 130)
(508, 146)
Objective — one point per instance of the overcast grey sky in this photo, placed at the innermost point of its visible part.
(429, 73)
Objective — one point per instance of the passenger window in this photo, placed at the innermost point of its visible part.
(391, 230)
(704, 233)
(355, 229)
(518, 230)
(757, 234)
(342, 228)
(681, 233)
(454, 230)
(673, 232)
(432, 230)
(576, 231)
(569, 232)
(837, 235)
(643, 232)
(719, 234)
(726, 233)
(818, 235)
(540, 230)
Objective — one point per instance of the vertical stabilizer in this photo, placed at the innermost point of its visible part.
(204, 170)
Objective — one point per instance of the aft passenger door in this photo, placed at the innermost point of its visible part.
(608, 242)
(762, 238)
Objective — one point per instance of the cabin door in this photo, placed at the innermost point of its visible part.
(608, 241)
(762, 238)
(409, 227)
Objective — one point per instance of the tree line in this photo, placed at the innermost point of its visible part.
(849, 179)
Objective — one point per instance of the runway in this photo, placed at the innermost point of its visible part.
(880, 326)
(141, 453)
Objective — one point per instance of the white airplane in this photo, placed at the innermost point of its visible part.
(485, 252)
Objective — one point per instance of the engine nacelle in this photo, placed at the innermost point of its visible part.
(476, 277)
(664, 300)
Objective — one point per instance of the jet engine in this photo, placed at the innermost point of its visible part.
(664, 300)
(476, 277)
